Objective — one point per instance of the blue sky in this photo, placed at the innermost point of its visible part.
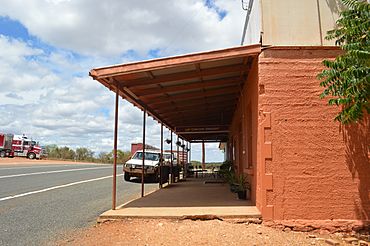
(48, 48)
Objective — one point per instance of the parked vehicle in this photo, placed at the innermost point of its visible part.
(133, 167)
(19, 145)
(25, 147)
(6, 145)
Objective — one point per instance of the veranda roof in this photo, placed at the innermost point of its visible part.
(195, 95)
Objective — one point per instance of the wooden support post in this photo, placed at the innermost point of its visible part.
(187, 159)
(190, 153)
(203, 156)
(177, 155)
(171, 166)
(142, 166)
(183, 161)
(114, 187)
(161, 158)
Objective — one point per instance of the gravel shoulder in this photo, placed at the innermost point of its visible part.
(188, 232)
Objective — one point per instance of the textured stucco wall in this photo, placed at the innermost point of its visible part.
(318, 169)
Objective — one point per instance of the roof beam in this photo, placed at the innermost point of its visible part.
(207, 111)
(200, 107)
(185, 101)
(182, 94)
(188, 86)
(197, 119)
(191, 95)
(218, 127)
(203, 132)
(206, 141)
(196, 102)
(142, 83)
(126, 94)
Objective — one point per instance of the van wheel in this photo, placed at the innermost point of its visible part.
(31, 156)
(126, 176)
(2, 154)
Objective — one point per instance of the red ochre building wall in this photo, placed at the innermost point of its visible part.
(308, 166)
(242, 146)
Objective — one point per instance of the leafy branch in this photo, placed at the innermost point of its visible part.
(347, 78)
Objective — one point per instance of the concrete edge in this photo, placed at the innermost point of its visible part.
(104, 218)
(134, 199)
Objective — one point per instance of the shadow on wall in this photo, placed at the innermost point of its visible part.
(356, 138)
(335, 6)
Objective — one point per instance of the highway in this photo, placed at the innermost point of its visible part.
(40, 204)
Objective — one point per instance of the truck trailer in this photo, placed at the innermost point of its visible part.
(6, 141)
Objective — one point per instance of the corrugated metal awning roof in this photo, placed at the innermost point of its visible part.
(195, 95)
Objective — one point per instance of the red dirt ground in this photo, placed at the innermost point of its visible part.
(186, 232)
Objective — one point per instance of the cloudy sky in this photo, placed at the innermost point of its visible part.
(47, 48)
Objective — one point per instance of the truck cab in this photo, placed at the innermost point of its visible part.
(22, 146)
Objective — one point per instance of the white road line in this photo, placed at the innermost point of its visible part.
(47, 172)
(55, 187)
(23, 167)
(56, 165)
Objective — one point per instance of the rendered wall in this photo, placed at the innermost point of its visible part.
(298, 22)
(242, 144)
(311, 168)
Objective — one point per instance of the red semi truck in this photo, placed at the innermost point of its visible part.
(19, 145)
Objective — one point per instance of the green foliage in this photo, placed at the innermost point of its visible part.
(347, 79)
(243, 183)
(122, 156)
(209, 165)
(85, 155)
(227, 165)
(55, 152)
(105, 157)
(227, 172)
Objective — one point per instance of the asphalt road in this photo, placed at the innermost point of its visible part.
(42, 203)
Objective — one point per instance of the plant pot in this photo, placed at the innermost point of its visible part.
(234, 187)
(242, 194)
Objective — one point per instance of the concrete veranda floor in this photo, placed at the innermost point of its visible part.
(191, 197)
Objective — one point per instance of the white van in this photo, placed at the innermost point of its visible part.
(133, 167)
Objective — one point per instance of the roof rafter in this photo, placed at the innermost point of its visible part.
(203, 106)
(188, 86)
(195, 102)
(169, 78)
(190, 95)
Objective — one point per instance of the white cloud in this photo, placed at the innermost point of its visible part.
(45, 90)
(114, 27)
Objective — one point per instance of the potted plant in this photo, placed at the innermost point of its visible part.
(233, 181)
(225, 169)
(243, 187)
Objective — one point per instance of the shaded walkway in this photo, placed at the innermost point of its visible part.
(187, 198)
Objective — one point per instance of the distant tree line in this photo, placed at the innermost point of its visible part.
(85, 155)
(209, 165)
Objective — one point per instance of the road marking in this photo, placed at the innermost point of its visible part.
(56, 171)
(56, 165)
(22, 167)
(55, 187)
